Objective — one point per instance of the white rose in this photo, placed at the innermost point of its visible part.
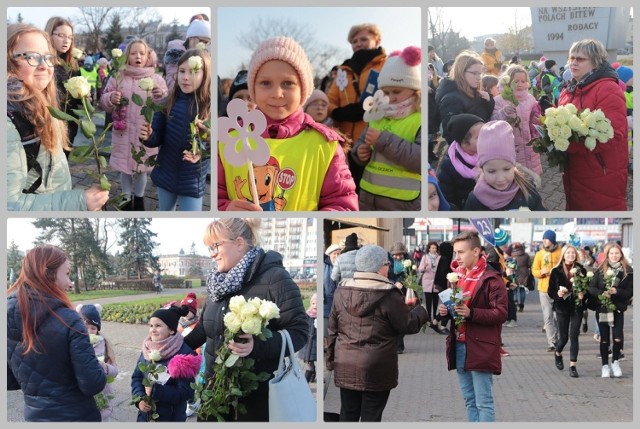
(269, 310)
(252, 325)
(563, 117)
(76, 53)
(589, 274)
(609, 273)
(232, 322)
(575, 123)
(590, 143)
(195, 63)
(236, 303)
(248, 309)
(452, 277)
(589, 119)
(146, 84)
(78, 86)
(94, 339)
(561, 144)
(116, 53)
(573, 270)
(550, 112)
(155, 355)
(407, 263)
(100, 358)
(565, 131)
(553, 132)
(599, 115)
(550, 121)
(571, 108)
(201, 46)
(414, 267)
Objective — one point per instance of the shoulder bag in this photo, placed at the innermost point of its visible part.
(290, 397)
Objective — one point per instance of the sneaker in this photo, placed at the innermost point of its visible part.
(504, 353)
(559, 363)
(596, 337)
(191, 409)
(615, 368)
(605, 371)
(514, 324)
(573, 372)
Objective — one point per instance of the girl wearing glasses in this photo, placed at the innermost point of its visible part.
(596, 179)
(38, 175)
(243, 268)
(60, 31)
(461, 92)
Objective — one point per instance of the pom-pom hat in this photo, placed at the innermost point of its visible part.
(199, 28)
(282, 49)
(500, 237)
(91, 314)
(171, 316)
(496, 141)
(191, 301)
(402, 69)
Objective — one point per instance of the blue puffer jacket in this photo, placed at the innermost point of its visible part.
(171, 136)
(171, 398)
(59, 383)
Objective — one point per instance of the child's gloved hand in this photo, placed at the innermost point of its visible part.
(353, 112)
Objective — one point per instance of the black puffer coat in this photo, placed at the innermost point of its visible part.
(624, 289)
(266, 279)
(59, 383)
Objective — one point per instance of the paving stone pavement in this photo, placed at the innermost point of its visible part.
(530, 388)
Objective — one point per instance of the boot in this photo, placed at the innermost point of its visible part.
(521, 307)
(308, 375)
(138, 204)
(127, 206)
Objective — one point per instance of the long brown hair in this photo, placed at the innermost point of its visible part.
(623, 261)
(34, 103)
(203, 93)
(33, 288)
(461, 64)
(55, 22)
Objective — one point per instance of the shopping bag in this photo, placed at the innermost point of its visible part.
(290, 397)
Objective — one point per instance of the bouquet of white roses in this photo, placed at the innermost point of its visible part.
(456, 296)
(580, 283)
(507, 94)
(565, 124)
(234, 377)
(610, 281)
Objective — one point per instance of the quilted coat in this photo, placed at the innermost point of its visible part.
(123, 140)
(597, 180)
(266, 278)
(59, 383)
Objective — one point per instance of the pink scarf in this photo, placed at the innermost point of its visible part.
(491, 197)
(294, 124)
(400, 110)
(138, 72)
(167, 347)
(463, 162)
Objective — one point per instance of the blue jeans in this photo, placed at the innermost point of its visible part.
(521, 294)
(476, 388)
(167, 201)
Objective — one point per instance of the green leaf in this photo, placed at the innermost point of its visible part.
(88, 128)
(80, 154)
(80, 113)
(137, 100)
(59, 114)
(231, 360)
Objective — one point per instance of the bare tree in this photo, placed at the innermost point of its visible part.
(517, 39)
(94, 19)
(442, 36)
(322, 55)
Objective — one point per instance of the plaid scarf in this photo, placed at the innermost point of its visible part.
(221, 285)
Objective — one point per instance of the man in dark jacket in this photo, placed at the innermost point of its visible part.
(367, 316)
(473, 347)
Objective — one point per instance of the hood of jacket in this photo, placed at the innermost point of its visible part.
(445, 87)
(374, 288)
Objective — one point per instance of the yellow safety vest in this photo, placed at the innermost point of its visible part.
(382, 176)
(291, 180)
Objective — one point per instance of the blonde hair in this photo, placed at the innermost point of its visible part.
(594, 49)
(461, 64)
(33, 103)
(514, 69)
(623, 261)
(562, 253)
(371, 28)
(232, 228)
(127, 50)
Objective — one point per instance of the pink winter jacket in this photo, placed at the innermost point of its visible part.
(338, 192)
(528, 111)
(122, 140)
(428, 272)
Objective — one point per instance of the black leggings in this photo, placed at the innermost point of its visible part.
(569, 329)
(606, 332)
(431, 304)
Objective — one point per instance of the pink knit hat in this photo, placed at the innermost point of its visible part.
(287, 50)
(496, 141)
(316, 95)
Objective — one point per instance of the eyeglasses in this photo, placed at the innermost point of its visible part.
(34, 59)
(476, 74)
(214, 247)
(578, 60)
(63, 36)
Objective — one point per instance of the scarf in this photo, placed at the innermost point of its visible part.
(220, 285)
(468, 281)
(167, 347)
(567, 272)
(464, 163)
(491, 197)
(400, 110)
(398, 267)
(295, 123)
(432, 260)
(361, 58)
(138, 72)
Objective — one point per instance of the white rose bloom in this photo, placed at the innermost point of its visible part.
(116, 53)
(550, 121)
(414, 268)
(590, 143)
(232, 322)
(94, 339)
(599, 114)
(236, 303)
(571, 108)
(561, 144)
(575, 123)
(407, 263)
(201, 46)
(554, 133)
(195, 63)
(565, 131)
(589, 119)
(589, 274)
(573, 270)
(550, 112)
(78, 87)
(76, 53)
(155, 355)
(563, 117)
(146, 84)
(452, 277)
(609, 272)
(248, 309)
(269, 310)
(252, 325)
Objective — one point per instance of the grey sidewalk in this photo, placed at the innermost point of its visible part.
(530, 388)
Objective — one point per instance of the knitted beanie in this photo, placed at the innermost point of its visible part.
(398, 248)
(91, 314)
(625, 73)
(370, 258)
(549, 235)
(332, 249)
(402, 69)
(199, 28)
(316, 95)
(191, 301)
(500, 237)
(496, 141)
(287, 50)
(548, 64)
(171, 316)
(460, 124)
(240, 82)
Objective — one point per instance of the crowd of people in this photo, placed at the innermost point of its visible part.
(333, 149)
(367, 287)
(486, 112)
(61, 359)
(172, 143)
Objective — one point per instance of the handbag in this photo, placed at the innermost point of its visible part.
(290, 397)
(531, 281)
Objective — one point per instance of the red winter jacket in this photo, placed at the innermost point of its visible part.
(597, 180)
(484, 328)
